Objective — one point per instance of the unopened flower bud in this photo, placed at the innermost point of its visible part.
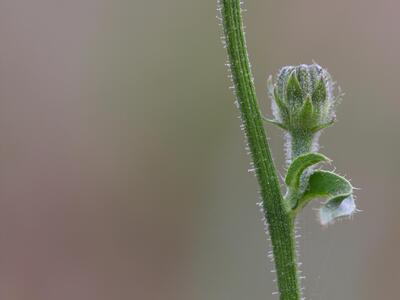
(302, 98)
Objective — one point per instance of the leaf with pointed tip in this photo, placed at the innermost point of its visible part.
(294, 94)
(337, 190)
(306, 114)
(323, 126)
(274, 122)
(319, 94)
(279, 108)
(298, 166)
(281, 105)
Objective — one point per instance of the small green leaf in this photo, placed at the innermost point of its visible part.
(319, 94)
(294, 94)
(306, 117)
(282, 106)
(336, 189)
(274, 122)
(298, 166)
(326, 183)
(323, 126)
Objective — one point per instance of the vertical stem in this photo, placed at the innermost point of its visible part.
(277, 211)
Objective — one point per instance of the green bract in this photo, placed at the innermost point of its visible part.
(305, 187)
(303, 98)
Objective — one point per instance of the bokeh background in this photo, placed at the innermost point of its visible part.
(123, 172)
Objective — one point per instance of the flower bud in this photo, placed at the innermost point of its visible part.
(302, 98)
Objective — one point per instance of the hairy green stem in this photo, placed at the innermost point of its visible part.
(276, 209)
(301, 143)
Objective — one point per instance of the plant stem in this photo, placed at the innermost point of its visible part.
(276, 209)
(301, 142)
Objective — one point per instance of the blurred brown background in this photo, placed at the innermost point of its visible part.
(123, 170)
